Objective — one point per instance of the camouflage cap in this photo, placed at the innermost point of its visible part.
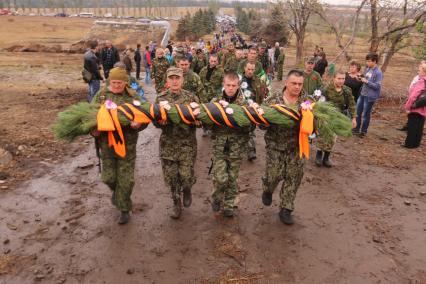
(174, 71)
(310, 59)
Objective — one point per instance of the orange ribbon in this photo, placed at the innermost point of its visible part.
(306, 129)
(108, 121)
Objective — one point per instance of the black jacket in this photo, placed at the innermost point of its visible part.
(138, 56)
(115, 58)
(91, 65)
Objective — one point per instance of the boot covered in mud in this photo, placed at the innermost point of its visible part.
(187, 197)
(318, 159)
(177, 209)
(326, 160)
(228, 212)
(286, 217)
(124, 218)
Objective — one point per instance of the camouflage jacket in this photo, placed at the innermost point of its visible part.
(214, 85)
(198, 64)
(312, 82)
(258, 67)
(159, 68)
(232, 63)
(177, 142)
(192, 83)
(281, 59)
(224, 130)
(130, 134)
(256, 86)
(342, 100)
(283, 138)
(264, 59)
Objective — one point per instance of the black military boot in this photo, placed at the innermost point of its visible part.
(216, 205)
(124, 218)
(267, 198)
(318, 158)
(285, 216)
(177, 209)
(326, 161)
(187, 197)
(228, 212)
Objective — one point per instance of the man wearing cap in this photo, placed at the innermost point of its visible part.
(312, 79)
(212, 77)
(254, 89)
(117, 172)
(178, 145)
(264, 57)
(159, 68)
(191, 81)
(251, 57)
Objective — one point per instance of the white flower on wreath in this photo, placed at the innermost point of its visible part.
(247, 94)
(317, 93)
(240, 77)
(244, 85)
(224, 103)
(136, 103)
(194, 105)
(250, 101)
(196, 111)
(110, 104)
(229, 110)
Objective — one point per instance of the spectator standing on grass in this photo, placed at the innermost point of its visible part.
(138, 59)
(416, 112)
(147, 63)
(370, 93)
(109, 56)
(353, 79)
(91, 66)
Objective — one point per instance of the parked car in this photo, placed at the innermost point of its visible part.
(61, 15)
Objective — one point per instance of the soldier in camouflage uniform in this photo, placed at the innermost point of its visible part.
(159, 68)
(233, 61)
(211, 76)
(312, 79)
(282, 151)
(341, 97)
(178, 145)
(192, 81)
(255, 90)
(280, 64)
(251, 57)
(199, 61)
(117, 172)
(264, 57)
(228, 147)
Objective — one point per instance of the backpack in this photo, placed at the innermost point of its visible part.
(87, 76)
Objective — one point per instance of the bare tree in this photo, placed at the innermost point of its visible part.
(392, 25)
(323, 13)
(301, 11)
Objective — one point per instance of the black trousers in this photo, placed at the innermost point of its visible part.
(415, 126)
(138, 70)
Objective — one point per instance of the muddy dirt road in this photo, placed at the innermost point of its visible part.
(360, 222)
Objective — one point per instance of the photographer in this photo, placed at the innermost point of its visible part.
(370, 92)
(353, 79)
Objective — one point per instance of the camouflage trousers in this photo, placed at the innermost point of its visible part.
(118, 174)
(280, 72)
(227, 157)
(324, 144)
(251, 146)
(286, 167)
(178, 175)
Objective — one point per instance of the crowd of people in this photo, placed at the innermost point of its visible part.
(226, 70)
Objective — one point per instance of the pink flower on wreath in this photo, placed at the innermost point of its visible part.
(306, 105)
(110, 104)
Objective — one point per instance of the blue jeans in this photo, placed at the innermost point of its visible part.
(147, 75)
(94, 87)
(363, 111)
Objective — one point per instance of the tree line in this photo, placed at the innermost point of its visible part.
(195, 26)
